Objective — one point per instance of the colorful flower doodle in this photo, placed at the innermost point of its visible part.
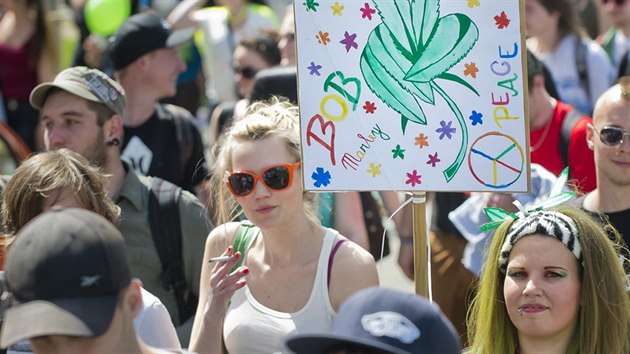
(374, 170)
(311, 5)
(369, 107)
(421, 140)
(476, 118)
(367, 11)
(401, 69)
(473, 3)
(314, 69)
(471, 70)
(413, 178)
(337, 9)
(433, 159)
(502, 21)
(398, 152)
(349, 41)
(321, 177)
(445, 130)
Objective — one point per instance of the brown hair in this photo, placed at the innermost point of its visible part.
(569, 21)
(43, 175)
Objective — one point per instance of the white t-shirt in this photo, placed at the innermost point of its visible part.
(251, 327)
(153, 325)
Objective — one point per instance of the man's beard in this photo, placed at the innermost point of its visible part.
(97, 153)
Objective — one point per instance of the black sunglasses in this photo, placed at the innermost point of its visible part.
(247, 72)
(277, 177)
(617, 2)
(611, 135)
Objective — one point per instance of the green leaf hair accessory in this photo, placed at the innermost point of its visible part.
(557, 196)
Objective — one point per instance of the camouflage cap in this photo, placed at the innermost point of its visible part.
(91, 84)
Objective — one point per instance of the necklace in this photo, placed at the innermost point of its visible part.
(542, 138)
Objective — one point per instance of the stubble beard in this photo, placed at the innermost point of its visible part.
(97, 153)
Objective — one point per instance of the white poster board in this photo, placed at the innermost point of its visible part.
(412, 95)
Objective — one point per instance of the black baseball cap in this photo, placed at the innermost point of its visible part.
(64, 272)
(385, 321)
(143, 33)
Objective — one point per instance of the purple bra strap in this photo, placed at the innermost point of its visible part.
(332, 256)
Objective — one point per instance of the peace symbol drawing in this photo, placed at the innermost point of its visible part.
(496, 160)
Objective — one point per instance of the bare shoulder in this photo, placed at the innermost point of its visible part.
(352, 256)
(353, 269)
(221, 237)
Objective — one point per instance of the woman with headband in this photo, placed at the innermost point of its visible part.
(552, 283)
(295, 273)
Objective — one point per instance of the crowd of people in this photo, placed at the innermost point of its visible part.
(148, 221)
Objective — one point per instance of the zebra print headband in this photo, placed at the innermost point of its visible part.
(545, 222)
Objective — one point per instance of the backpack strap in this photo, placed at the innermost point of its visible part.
(624, 68)
(184, 134)
(166, 230)
(568, 123)
(243, 239)
(582, 67)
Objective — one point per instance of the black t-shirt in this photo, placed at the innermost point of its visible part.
(152, 149)
(620, 220)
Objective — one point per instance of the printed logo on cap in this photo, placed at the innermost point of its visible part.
(101, 88)
(390, 324)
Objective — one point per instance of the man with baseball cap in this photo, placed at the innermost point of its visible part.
(70, 287)
(381, 320)
(160, 140)
(82, 109)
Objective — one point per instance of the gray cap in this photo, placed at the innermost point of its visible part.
(91, 84)
(64, 273)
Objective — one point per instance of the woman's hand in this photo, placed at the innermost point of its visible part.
(224, 283)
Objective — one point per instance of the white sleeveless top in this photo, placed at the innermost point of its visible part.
(250, 327)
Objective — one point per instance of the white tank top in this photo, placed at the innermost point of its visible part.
(250, 327)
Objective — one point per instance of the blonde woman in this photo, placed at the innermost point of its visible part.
(295, 273)
(552, 283)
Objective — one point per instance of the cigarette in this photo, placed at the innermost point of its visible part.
(220, 259)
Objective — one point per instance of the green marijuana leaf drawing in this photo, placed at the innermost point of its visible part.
(408, 51)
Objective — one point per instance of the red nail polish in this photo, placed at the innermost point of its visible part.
(246, 271)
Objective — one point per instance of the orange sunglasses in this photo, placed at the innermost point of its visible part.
(276, 177)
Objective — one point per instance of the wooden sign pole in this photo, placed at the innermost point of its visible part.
(420, 245)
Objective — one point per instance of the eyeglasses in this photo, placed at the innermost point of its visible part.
(277, 177)
(611, 135)
(247, 72)
(617, 2)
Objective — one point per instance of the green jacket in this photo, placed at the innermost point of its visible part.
(141, 252)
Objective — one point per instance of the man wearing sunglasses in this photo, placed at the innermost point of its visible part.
(609, 138)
